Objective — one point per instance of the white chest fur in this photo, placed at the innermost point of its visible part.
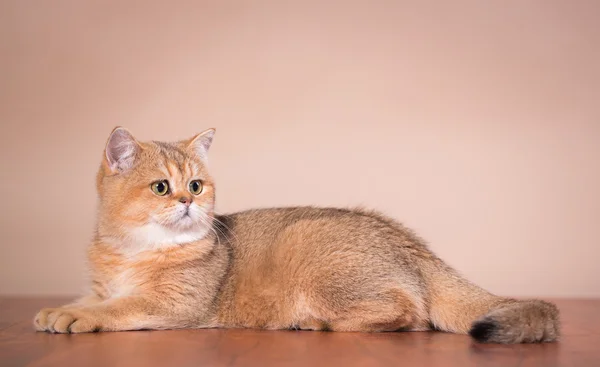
(153, 236)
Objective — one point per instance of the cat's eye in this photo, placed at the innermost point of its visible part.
(160, 188)
(196, 187)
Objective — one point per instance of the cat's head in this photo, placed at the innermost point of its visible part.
(155, 194)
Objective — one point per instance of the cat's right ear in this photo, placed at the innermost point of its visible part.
(121, 150)
(201, 143)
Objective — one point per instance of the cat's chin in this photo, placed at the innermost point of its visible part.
(185, 223)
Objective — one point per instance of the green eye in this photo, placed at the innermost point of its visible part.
(196, 187)
(160, 188)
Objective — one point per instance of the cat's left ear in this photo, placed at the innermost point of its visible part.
(201, 143)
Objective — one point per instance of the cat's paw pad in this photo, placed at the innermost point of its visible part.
(62, 320)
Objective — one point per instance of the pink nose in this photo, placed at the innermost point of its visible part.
(185, 200)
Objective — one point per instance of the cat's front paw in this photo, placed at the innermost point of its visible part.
(66, 320)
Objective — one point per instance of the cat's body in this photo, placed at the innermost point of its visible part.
(311, 268)
(164, 260)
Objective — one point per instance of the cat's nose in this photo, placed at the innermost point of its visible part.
(185, 200)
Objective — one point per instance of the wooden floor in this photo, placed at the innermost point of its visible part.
(21, 346)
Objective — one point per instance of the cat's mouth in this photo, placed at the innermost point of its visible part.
(186, 218)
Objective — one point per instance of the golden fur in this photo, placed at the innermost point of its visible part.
(162, 262)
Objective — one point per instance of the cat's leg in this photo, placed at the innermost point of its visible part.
(372, 321)
(127, 313)
(86, 300)
(394, 310)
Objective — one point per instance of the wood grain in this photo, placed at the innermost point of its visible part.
(21, 346)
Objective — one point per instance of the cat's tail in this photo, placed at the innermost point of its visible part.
(456, 305)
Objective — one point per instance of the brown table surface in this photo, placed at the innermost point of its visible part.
(21, 346)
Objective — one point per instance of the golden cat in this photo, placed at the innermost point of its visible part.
(162, 259)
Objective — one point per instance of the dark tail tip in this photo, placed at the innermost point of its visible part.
(483, 330)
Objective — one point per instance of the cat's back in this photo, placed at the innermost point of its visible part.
(268, 222)
(263, 229)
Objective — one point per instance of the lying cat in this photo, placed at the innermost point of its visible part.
(162, 259)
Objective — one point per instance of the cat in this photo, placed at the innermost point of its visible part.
(162, 259)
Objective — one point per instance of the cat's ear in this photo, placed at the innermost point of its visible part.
(121, 150)
(201, 143)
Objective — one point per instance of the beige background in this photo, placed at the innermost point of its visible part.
(477, 123)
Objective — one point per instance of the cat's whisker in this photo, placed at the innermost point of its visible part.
(226, 235)
(229, 230)
(213, 229)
